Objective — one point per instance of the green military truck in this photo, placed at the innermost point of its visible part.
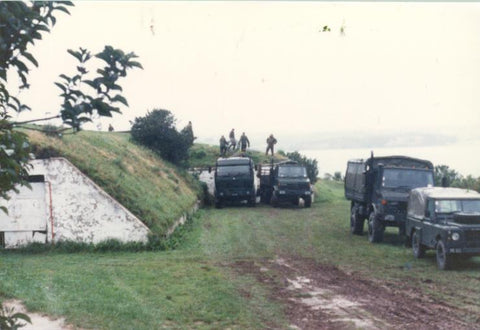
(446, 220)
(378, 189)
(284, 182)
(234, 181)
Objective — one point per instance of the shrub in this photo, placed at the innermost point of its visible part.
(157, 131)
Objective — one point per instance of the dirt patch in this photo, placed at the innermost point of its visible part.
(39, 321)
(319, 296)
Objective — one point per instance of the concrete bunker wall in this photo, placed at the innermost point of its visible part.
(72, 208)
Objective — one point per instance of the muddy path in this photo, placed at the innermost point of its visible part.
(317, 296)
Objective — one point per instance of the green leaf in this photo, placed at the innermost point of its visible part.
(77, 55)
(135, 64)
(121, 99)
(61, 8)
(63, 88)
(91, 84)
(20, 65)
(31, 58)
(67, 78)
(22, 316)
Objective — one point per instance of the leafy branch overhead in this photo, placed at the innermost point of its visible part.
(105, 96)
(21, 24)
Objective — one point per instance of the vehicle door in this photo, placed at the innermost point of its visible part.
(429, 228)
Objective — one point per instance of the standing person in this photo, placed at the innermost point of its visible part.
(244, 142)
(223, 146)
(233, 142)
(271, 141)
(187, 132)
(110, 128)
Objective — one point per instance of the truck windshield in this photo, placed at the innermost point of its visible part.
(292, 171)
(455, 205)
(406, 178)
(233, 170)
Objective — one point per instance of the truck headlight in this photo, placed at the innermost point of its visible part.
(455, 236)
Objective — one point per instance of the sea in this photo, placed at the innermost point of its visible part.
(462, 157)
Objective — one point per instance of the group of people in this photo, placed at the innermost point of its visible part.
(242, 143)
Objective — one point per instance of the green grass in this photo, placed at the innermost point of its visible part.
(152, 189)
(204, 155)
(133, 291)
(322, 233)
(195, 285)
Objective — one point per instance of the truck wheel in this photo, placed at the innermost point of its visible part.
(417, 247)
(444, 260)
(308, 201)
(375, 229)
(356, 223)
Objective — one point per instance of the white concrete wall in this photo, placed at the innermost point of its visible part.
(81, 210)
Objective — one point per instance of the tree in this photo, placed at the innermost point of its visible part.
(83, 98)
(310, 164)
(444, 176)
(21, 24)
(157, 131)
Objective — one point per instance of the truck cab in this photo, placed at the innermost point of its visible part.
(446, 220)
(234, 181)
(284, 182)
(378, 189)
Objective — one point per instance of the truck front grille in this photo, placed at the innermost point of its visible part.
(473, 238)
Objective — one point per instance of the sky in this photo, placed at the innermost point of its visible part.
(267, 67)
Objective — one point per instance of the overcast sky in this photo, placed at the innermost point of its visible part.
(266, 67)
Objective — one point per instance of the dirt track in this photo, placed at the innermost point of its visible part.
(317, 296)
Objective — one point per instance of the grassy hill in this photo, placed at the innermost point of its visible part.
(154, 190)
(204, 155)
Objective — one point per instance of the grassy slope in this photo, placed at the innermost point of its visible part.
(195, 287)
(152, 189)
(204, 155)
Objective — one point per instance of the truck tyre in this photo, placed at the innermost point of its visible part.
(375, 229)
(308, 201)
(444, 260)
(356, 222)
(418, 248)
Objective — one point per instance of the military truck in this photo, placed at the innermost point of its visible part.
(378, 189)
(234, 181)
(446, 220)
(284, 182)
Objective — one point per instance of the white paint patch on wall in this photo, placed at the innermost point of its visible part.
(81, 210)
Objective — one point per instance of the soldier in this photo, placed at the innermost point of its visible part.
(187, 132)
(271, 141)
(233, 142)
(244, 142)
(223, 146)
(110, 128)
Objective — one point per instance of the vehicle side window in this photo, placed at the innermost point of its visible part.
(431, 210)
